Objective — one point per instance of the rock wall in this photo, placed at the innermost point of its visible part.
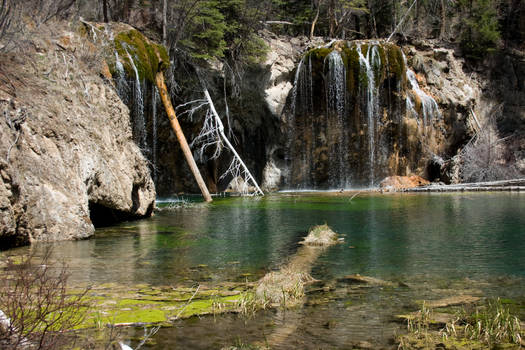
(67, 159)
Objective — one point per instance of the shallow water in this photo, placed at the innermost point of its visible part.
(438, 244)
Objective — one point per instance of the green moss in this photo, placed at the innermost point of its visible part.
(396, 64)
(351, 61)
(319, 53)
(148, 57)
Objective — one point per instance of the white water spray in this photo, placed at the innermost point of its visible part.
(140, 122)
(429, 106)
(336, 103)
(368, 63)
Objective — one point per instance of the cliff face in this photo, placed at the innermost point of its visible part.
(67, 158)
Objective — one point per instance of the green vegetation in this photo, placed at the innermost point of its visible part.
(480, 31)
(220, 29)
(488, 326)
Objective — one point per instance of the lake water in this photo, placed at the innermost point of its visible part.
(438, 244)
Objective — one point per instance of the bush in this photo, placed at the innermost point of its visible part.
(38, 308)
(485, 157)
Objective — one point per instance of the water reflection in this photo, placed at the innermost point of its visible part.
(457, 235)
(435, 243)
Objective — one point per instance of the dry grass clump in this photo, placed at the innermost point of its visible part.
(321, 235)
(284, 287)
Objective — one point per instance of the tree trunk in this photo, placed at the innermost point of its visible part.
(443, 20)
(314, 22)
(164, 22)
(105, 10)
(163, 91)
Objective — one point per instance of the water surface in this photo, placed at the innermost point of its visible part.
(438, 244)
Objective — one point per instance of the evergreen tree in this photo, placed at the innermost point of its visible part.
(480, 32)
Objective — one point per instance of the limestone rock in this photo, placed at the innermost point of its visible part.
(66, 152)
(281, 61)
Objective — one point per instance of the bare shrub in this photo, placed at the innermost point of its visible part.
(38, 309)
(487, 157)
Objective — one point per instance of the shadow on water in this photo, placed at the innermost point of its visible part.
(436, 245)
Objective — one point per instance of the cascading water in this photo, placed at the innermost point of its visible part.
(368, 63)
(154, 98)
(139, 122)
(336, 104)
(347, 123)
(121, 82)
(302, 103)
(429, 106)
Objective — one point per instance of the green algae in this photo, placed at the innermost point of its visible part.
(122, 305)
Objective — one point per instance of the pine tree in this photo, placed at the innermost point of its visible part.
(480, 33)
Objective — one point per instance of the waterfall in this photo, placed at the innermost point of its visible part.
(121, 82)
(336, 103)
(346, 123)
(429, 106)
(139, 121)
(154, 98)
(302, 98)
(336, 81)
(368, 63)
(302, 104)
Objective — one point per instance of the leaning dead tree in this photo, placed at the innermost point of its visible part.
(212, 135)
(163, 91)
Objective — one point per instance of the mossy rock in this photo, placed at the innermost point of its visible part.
(148, 57)
(396, 63)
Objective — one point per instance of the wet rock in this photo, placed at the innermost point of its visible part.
(437, 320)
(357, 278)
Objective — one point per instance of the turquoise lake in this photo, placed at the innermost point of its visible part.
(438, 244)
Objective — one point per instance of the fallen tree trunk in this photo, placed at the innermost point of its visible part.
(163, 91)
(502, 185)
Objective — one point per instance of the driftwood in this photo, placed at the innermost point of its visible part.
(163, 91)
(502, 185)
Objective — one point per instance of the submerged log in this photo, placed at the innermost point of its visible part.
(163, 91)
